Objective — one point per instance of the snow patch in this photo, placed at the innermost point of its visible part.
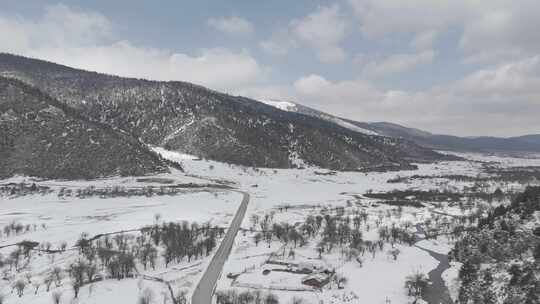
(173, 155)
(179, 130)
(291, 107)
(282, 105)
(348, 125)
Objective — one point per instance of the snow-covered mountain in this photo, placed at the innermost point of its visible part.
(526, 143)
(298, 108)
(192, 119)
(42, 137)
(282, 105)
(488, 144)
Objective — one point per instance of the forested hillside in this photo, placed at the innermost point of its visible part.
(195, 120)
(43, 137)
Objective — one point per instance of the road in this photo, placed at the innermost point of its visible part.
(205, 289)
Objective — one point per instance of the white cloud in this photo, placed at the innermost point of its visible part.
(332, 54)
(281, 42)
(505, 93)
(504, 31)
(499, 100)
(86, 40)
(424, 40)
(273, 47)
(350, 98)
(267, 92)
(359, 58)
(381, 17)
(217, 68)
(511, 80)
(232, 25)
(398, 63)
(59, 26)
(322, 30)
(311, 84)
(490, 31)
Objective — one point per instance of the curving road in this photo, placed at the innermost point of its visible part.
(205, 289)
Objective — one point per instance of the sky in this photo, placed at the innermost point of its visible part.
(462, 67)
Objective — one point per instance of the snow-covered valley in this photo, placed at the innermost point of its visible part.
(57, 219)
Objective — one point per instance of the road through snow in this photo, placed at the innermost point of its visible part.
(205, 289)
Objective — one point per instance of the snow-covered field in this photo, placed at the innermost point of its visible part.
(54, 220)
(66, 219)
(380, 279)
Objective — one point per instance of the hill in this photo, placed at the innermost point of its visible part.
(526, 143)
(191, 119)
(44, 138)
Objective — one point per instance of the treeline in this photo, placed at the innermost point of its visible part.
(400, 197)
(419, 195)
(114, 256)
(522, 175)
(15, 228)
(456, 177)
(120, 191)
(339, 230)
(183, 240)
(232, 296)
(20, 189)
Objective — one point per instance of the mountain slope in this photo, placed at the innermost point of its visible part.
(192, 119)
(532, 139)
(42, 137)
(526, 143)
(411, 150)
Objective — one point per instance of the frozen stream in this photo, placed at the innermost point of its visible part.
(437, 292)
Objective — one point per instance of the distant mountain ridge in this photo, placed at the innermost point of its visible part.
(194, 120)
(525, 143)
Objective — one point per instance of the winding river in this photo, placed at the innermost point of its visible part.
(437, 292)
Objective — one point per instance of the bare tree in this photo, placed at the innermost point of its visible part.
(91, 271)
(76, 286)
(77, 272)
(36, 285)
(181, 297)
(19, 286)
(257, 238)
(340, 281)
(28, 277)
(271, 299)
(57, 275)
(416, 285)
(254, 219)
(394, 252)
(48, 281)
